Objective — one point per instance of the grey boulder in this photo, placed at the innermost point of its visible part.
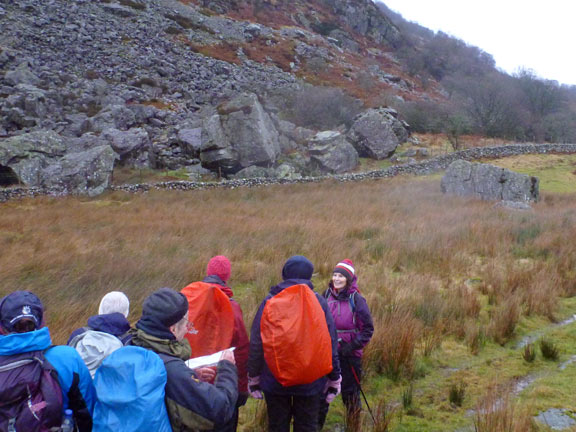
(331, 153)
(132, 146)
(376, 133)
(489, 182)
(44, 159)
(242, 134)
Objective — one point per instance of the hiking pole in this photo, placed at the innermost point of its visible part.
(360, 387)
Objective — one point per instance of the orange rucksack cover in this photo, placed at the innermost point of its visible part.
(295, 337)
(210, 312)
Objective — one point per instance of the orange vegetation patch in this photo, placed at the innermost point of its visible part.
(224, 51)
(159, 104)
(280, 53)
(278, 13)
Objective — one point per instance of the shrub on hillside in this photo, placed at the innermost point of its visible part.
(319, 108)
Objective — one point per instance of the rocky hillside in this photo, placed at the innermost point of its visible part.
(237, 88)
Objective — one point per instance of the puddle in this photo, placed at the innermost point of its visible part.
(535, 336)
(522, 384)
(567, 363)
(556, 419)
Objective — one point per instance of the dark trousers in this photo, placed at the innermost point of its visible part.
(282, 409)
(232, 424)
(350, 389)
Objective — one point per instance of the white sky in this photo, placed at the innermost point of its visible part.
(538, 35)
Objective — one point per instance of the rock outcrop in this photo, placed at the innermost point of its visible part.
(44, 159)
(242, 134)
(489, 182)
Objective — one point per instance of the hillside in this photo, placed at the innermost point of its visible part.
(246, 88)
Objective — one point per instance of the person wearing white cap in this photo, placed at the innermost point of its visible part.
(112, 318)
(114, 301)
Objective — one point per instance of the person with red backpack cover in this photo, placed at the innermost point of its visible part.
(354, 327)
(38, 381)
(218, 273)
(300, 402)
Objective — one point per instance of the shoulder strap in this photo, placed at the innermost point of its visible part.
(352, 301)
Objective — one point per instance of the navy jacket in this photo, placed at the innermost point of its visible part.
(115, 324)
(257, 365)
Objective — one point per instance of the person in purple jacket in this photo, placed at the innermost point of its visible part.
(354, 327)
(298, 402)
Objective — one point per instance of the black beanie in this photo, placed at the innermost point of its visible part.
(165, 306)
(298, 267)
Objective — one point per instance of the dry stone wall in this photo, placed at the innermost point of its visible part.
(430, 166)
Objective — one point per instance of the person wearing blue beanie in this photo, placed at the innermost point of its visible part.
(301, 402)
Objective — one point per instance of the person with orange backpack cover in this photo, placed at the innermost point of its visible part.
(293, 357)
(354, 327)
(218, 273)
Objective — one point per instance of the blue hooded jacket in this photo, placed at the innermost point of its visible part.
(297, 270)
(75, 381)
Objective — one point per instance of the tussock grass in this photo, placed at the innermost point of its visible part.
(433, 268)
(414, 248)
(497, 412)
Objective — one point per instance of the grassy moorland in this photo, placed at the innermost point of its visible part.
(453, 284)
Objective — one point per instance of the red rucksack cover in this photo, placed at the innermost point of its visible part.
(210, 311)
(295, 337)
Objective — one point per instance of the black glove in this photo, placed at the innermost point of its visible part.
(346, 349)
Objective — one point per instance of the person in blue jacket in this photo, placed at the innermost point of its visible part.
(22, 330)
(298, 402)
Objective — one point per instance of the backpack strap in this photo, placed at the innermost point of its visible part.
(352, 301)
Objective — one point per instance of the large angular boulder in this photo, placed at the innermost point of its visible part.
(331, 153)
(242, 134)
(45, 159)
(489, 182)
(133, 146)
(376, 133)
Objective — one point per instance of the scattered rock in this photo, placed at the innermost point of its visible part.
(556, 419)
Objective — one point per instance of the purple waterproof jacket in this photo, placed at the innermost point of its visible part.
(353, 327)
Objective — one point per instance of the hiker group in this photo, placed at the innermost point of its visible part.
(188, 363)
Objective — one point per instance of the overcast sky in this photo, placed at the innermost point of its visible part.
(538, 35)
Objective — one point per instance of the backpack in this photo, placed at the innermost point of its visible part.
(130, 387)
(94, 346)
(30, 395)
(295, 337)
(210, 311)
